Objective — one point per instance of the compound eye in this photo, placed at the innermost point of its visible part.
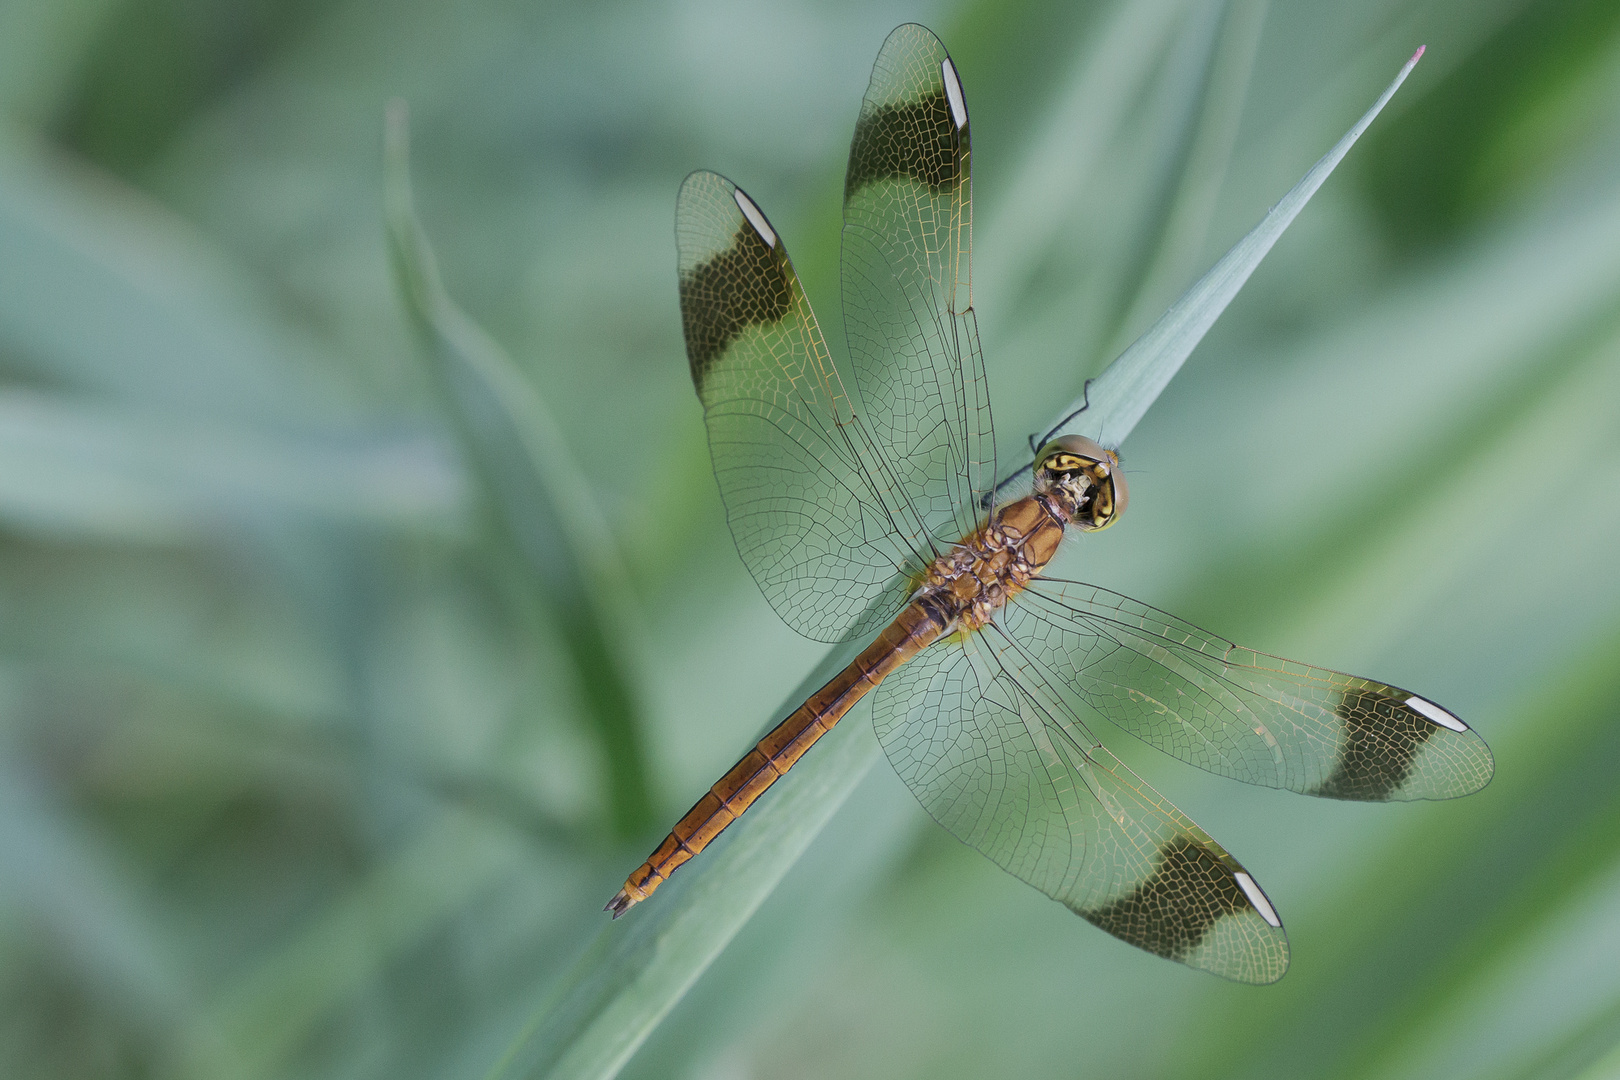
(1078, 454)
(1111, 496)
(1070, 452)
(1102, 505)
(1103, 511)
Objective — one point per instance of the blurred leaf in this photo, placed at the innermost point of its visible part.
(155, 63)
(1591, 1052)
(533, 489)
(1116, 399)
(41, 50)
(299, 986)
(1090, 106)
(70, 468)
(103, 290)
(1185, 222)
(1509, 113)
(73, 890)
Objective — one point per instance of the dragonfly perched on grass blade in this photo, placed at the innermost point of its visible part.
(873, 511)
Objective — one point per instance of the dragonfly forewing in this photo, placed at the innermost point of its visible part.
(815, 522)
(1241, 713)
(907, 246)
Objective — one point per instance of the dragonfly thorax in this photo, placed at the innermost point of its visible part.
(974, 579)
(1077, 482)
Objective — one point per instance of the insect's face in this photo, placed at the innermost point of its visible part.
(1086, 476)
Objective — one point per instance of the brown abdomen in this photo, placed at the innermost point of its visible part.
(915, 628)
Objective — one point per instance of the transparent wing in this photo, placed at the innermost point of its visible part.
(1241, 713)
(913, 341)
(819, 525)
(975, 733)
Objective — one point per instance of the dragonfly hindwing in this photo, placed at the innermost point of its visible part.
(995, 757)
(1178, 910)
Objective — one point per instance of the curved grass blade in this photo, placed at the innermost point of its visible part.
(1225, 88)
(533, 489)
(1092, 106)
(635, 971)
(1116, 399)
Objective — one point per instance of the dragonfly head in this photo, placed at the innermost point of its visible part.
(1085, 477)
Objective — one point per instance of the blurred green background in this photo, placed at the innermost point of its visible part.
(326, 728)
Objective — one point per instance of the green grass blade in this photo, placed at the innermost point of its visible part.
(1091, 106)
(1186, 222)
(533, 489)
(1117, 399)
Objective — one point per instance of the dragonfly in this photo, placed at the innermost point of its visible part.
(872, 511)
